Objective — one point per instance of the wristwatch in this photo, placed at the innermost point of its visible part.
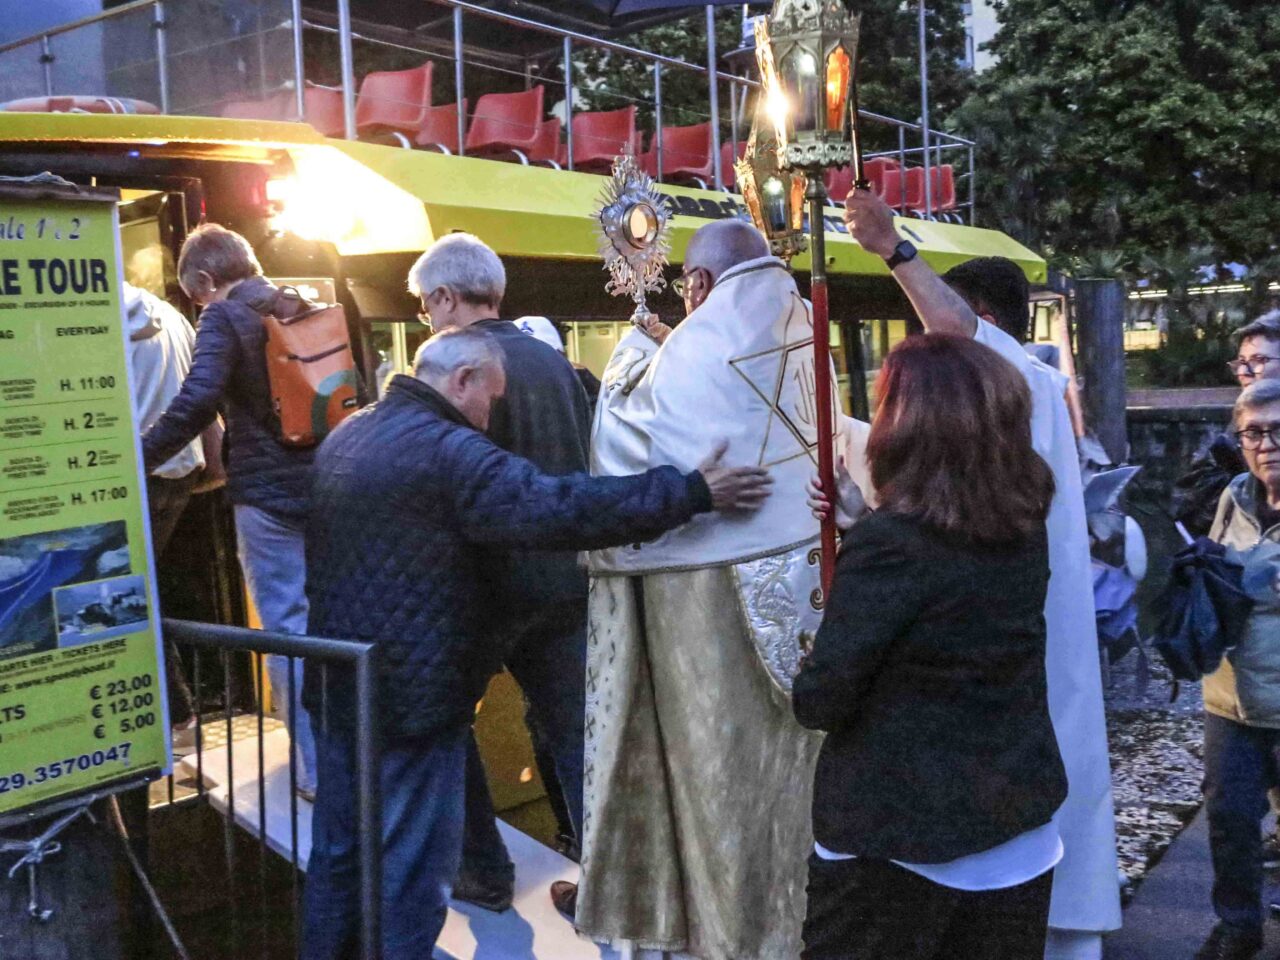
(904, 252)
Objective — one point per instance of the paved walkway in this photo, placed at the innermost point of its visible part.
(1170, 916)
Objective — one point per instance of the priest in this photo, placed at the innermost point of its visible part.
(697, 783)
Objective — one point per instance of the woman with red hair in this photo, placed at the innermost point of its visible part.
(940, 775)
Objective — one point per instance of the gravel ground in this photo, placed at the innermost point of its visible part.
(1156, 761)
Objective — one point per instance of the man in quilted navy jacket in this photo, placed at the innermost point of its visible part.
(408, 497)
(269, 483)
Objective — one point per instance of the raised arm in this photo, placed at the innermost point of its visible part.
(941, 309)
(195, 406)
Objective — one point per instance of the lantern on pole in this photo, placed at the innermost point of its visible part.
(806, 51)
(774, 196)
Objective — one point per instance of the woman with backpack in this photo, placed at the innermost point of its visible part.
(268, 481)
(938, 781)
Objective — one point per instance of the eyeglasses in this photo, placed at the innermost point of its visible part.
(681, 283)
(1251, 437)
(1250, 365)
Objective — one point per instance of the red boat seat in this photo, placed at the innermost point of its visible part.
(394, 101)
(504, 122)
(439, 127)
(686, 154)
(599, 137)
(323, 106)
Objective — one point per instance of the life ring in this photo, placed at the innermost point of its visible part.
(79, 104)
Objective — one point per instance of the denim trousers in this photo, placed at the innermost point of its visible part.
(272, 552)
(422, 814)
(548, 660)
(1239, 768)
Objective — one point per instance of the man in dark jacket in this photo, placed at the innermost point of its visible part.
(409, 495)
(545, 418)
(269, 483)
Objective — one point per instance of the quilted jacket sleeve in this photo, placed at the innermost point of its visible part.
(196, 404)
(502, 499)
(878, 590)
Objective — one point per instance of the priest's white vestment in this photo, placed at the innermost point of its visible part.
(698, 779)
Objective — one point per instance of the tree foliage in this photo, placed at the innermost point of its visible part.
(1142, 125)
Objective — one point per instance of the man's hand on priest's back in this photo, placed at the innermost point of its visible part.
(734, 489)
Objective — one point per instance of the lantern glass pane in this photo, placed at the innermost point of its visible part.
(774, 201)
(797, 202)
(801, 79)
(839, 67)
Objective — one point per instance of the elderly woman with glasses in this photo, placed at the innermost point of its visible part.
(1196, 493)
(1242, 697)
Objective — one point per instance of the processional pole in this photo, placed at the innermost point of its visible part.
(805, 125)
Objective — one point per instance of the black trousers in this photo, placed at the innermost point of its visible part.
(868, 909)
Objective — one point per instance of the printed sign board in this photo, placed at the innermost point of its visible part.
(82, 690)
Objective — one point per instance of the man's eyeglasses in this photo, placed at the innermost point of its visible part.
(1251, 438)
(681, 283)
(1250, 365)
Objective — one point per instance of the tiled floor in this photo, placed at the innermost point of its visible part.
(213, 734)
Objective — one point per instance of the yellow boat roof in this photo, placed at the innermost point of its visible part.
(520, 211)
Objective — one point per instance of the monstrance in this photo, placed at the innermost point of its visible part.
(633, 222)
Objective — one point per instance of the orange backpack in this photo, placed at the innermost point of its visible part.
(310, 368)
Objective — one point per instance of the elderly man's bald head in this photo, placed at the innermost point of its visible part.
(723, 244)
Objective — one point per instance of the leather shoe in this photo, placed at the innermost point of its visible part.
(565, 897)
(1226, 943)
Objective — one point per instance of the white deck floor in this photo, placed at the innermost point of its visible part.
(531, 930)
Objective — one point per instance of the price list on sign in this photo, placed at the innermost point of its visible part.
(82, 704)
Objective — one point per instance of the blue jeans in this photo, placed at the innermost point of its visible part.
(1239, 769)
(549, 661)
(273, 557)
(422, 812)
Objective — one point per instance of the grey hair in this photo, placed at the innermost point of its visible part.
(453, 349)
(1267, 325)
(1262, 393)
(723, 244)
(221, 253)
(466, 265)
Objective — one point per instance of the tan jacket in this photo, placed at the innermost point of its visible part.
(1246, 687)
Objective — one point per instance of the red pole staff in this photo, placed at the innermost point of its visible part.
(816, 194)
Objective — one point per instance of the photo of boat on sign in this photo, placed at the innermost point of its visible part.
(34, 566)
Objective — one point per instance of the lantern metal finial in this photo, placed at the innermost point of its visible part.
(634, 221)
(807, 51)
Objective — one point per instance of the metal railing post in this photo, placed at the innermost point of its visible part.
(368, 784)
(973, 189)
(46, 59)
(299, 62)
(457, 80)
(348, 70)
(924, 111)
(657, 117)
(568, 99)
(162, 55)
(733, 119)
(902, 167)
(713, 77)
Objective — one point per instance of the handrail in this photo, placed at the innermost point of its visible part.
(363, 659)
(128, 8)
